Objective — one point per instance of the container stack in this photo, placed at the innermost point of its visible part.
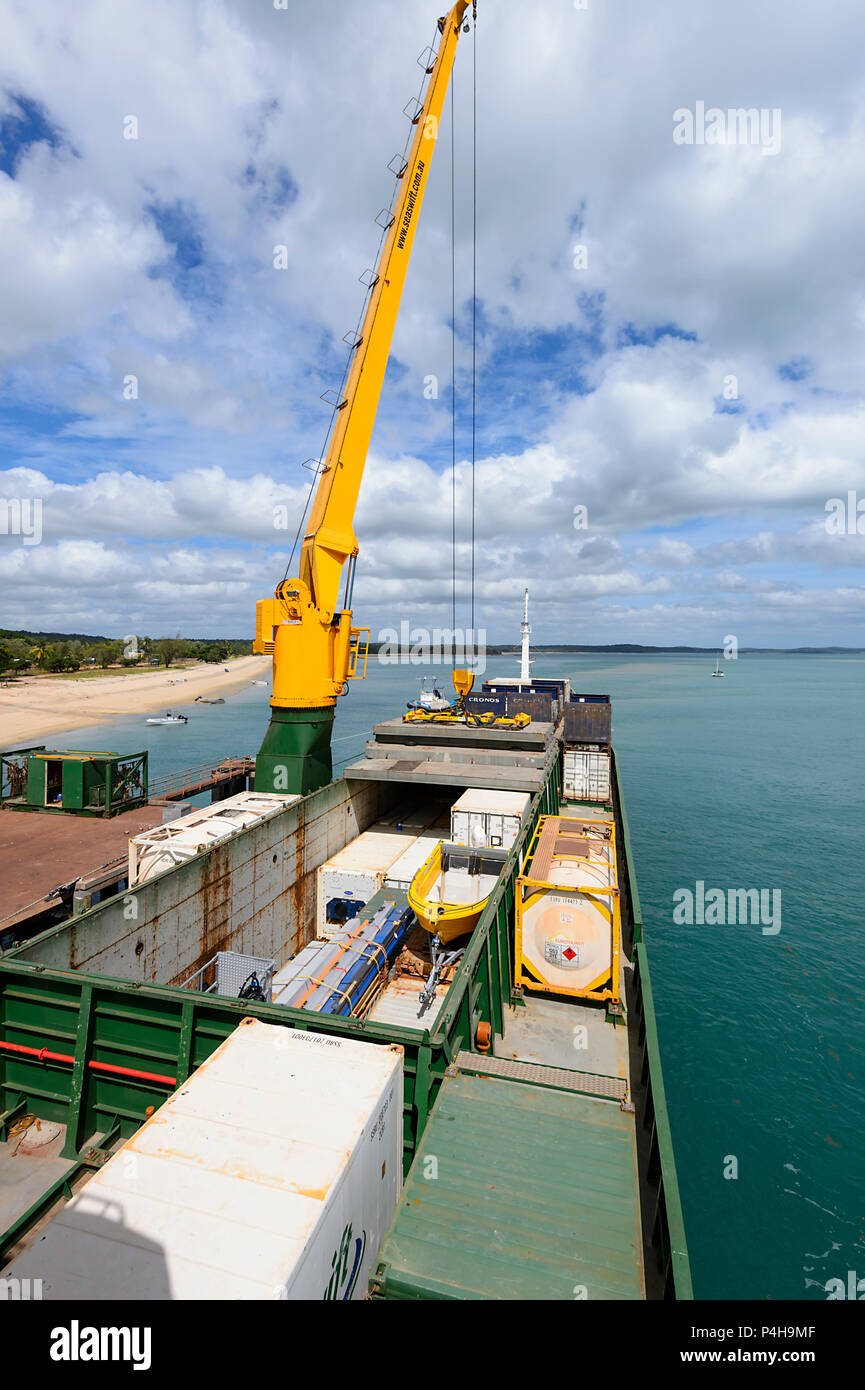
(587, 732)
(403, 870)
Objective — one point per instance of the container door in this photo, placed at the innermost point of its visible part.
(510, 830)
(496, 832)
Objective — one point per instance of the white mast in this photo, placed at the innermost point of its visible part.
(525, 630)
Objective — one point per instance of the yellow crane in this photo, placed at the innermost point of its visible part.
(316, 650)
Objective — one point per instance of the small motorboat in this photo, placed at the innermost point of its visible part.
(169, 718)
(256, 682)
(430, 699)
(203, 700)
(450, 889)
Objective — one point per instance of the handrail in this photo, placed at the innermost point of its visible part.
(191, 776)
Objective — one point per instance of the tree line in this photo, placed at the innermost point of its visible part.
(55, 653)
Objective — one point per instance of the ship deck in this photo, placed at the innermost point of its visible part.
(559, 1097)
(42, 850)
(535, 1197)
(566, 1034)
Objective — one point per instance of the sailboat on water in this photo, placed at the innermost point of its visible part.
(717, 671)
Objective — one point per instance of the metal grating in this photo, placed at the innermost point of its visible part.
(234, 968)
(588, 1083)
(227, 972)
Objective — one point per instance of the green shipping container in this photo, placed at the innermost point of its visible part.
(521, 1192)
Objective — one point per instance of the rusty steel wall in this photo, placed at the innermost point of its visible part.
(542, 707)
(254, 893)
(588, 721)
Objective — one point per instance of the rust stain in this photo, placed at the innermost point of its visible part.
(298, 935)
(215, 920)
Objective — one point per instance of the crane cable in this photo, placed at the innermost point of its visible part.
(474, 337)
(453, 378)
(474, 343)
(474, 285)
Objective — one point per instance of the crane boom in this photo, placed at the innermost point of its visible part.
(315, 648)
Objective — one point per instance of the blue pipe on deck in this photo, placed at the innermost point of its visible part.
(358, 977)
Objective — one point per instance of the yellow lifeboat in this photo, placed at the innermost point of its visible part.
(451, 888)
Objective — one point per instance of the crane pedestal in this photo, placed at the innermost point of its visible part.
(295, 755)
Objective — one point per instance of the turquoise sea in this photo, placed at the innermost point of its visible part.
(754, 781)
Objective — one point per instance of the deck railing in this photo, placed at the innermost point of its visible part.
(172, 783)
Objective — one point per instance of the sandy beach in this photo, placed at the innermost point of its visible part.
(32, 707)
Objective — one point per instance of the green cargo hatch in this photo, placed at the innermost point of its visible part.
(535, 1197)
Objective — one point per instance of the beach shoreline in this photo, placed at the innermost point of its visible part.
(34, 707)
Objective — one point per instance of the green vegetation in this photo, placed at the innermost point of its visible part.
(57, 653)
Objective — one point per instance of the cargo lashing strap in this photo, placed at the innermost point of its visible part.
(321, 980)
(380, 918)
(365, 949)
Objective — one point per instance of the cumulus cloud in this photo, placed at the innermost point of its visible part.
(694, 382)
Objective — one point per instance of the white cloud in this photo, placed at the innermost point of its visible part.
(758, 257)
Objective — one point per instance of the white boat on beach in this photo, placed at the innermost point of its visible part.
(169, 718)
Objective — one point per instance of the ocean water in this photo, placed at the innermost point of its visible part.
(755, 781)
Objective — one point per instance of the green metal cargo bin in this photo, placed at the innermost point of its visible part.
(517, 1191)
(74, 783)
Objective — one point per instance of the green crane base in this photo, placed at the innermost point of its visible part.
(295, 755)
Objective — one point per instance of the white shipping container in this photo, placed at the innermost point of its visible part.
(489, 818)
(403, 870)
(586, 775)
(359, 869)
(273, 1173)
(165, 846)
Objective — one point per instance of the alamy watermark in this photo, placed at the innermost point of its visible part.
(77, 1343)
(21, 516)
(421, 646)
(732, 907)
(853, 1288)
(737, 126)
(846, 516)
(20, 1290)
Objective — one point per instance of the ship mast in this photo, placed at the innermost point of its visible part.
(525, 631)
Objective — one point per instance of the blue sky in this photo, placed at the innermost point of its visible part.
(695, 382)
